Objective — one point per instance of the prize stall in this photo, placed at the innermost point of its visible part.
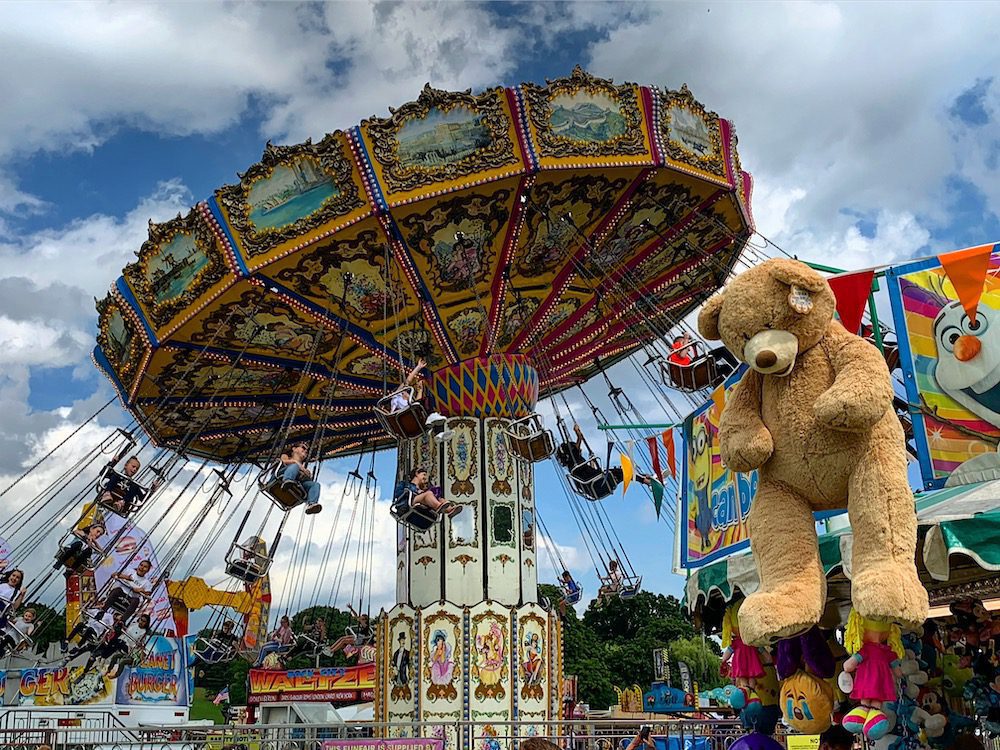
(801, 663)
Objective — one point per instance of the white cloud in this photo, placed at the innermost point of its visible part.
(840, 114)
(835, 105)
(89, 253)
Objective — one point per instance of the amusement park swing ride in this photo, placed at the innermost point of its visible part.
(520, 242)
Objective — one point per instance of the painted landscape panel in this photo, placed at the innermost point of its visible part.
(291, 192)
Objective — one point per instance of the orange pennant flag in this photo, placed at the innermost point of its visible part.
(628, 473)
(967, 270)
(668, 443)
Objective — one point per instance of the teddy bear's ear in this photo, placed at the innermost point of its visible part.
(708, 318)
(795, 273)
(802, 281)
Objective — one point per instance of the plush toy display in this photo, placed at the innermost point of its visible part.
(805, 665)
(814, 414)
(740, 662)
(872, 670)
(807, 702)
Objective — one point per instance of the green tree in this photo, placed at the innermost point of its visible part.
(702, 655)
(613, 643)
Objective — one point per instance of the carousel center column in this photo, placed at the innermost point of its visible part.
(467, 640)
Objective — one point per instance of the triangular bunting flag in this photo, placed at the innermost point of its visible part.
(627, 473)
(966, 270)
(668, 443)
(851, 291)
(654, 454)
(657, 489)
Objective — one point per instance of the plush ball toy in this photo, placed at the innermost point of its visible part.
(814, 414)
(807, 703)
(756, 741)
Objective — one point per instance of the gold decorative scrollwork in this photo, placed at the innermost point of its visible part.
(158, 269)
(463, 457)
(474, 130)
(350, 272)
(119, 338)
(332, 161)
(618, 134)
(703, 149)
(458, 237)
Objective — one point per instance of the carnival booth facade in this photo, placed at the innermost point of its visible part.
(883, 621)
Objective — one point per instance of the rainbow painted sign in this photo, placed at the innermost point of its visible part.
(62, 686)
(327, 685)
(951, 370)
(714, 501)
(162, 677)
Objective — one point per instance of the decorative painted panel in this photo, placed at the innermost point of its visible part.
(529, 532)
(491, 695)
(584, 119)
(303, 191)
(400, 665)
(533, 670)
(425, 546)
(181, 266)
(442, 675)
(450, 138)
(503, 543)
(122, 339)
(690, 136)
(463, 472)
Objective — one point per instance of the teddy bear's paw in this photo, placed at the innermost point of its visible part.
(770, 616)
(891, 593)
(843, 412)
(746, 450)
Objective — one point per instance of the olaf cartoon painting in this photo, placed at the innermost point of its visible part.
(951, 368)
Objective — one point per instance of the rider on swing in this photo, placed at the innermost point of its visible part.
(587, 471)
(401, 398)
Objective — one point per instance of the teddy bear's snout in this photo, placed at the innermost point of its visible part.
(766, 359)
(772, 352)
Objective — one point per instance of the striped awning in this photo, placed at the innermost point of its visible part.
(954, 521)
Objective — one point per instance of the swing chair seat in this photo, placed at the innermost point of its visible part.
(630, 587)
(572, 597)
(212, 650)
(286, 495)
(529, 440)
(246, 563)
(124, 608)
(594, 488)
(700, 375)
(247, 571)
(127, 495)
(86, 558)
(416, 517)
(21, 639)
(403, 424)
(359, 642)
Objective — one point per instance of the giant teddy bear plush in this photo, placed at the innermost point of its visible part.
(814, 414)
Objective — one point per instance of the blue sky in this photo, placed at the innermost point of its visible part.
(871, 140)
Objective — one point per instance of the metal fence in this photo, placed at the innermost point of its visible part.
(604, 734)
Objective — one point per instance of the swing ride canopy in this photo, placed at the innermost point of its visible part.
(512, 238)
